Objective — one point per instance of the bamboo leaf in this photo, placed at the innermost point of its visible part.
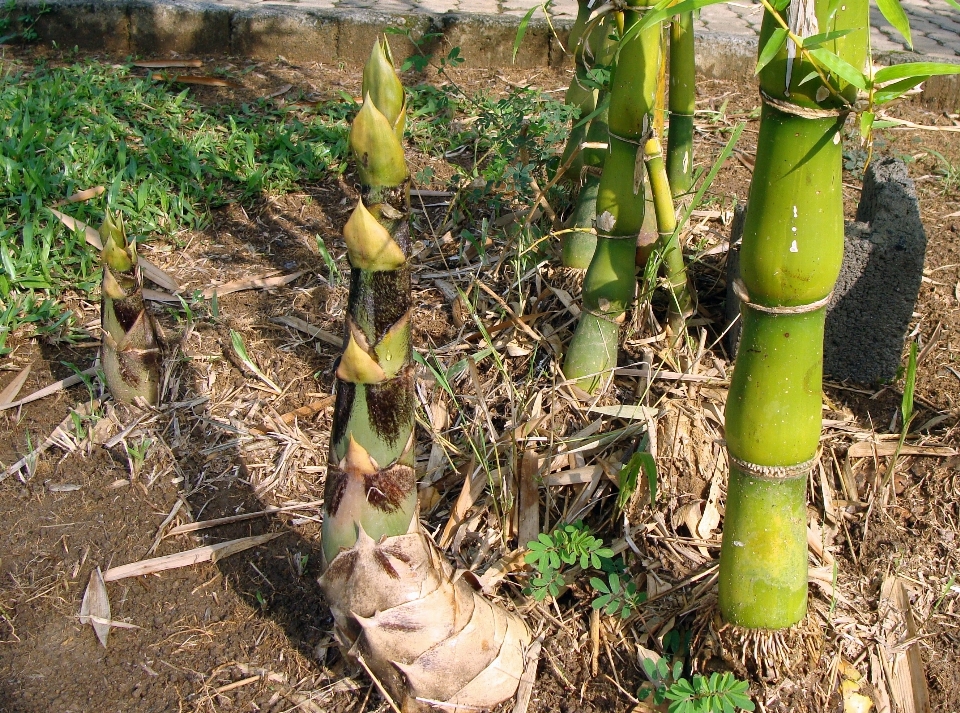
(777, 39)
(866, 123)
(650, 469)
(897, 89)
(241, 351)
(522, 30)
(661, 11)
(956, 5)
(894, 14)
(906, 405)
(915, 69)
(843, 69)
(817, 40)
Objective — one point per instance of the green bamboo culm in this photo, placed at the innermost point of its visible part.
(682, 103)
(789, 263)
(580, 242)
(671, 255)
(129, 354)
(370, 480)
(583, 40)
(609, 285)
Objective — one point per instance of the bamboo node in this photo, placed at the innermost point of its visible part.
(773, 472)
(606, 317)
(802, 111)
(740, 290)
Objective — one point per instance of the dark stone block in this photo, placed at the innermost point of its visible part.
(875, 295)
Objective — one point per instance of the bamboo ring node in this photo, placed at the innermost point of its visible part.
(604, 316)
(645, 133)
(608, 236)
(802, 111)
(741, 291)
(773, 472)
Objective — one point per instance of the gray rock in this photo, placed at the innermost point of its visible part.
(873, 302)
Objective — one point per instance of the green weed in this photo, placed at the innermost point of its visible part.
(716, 693)
(566, 546)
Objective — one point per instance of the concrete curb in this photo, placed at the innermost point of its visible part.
(152, 28)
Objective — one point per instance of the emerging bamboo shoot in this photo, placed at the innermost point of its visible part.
(129, 354)
(418, 629)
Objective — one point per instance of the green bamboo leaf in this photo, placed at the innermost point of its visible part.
(522, 30)
(915, 69)
(843, 69)
(660, 12)
(602, 107)
(910, 384)
(894, 14)
(650, 469)
(819, 39)
(776, 40)
(241, 351)
(866, 123)
(956, 5)
(897, 89)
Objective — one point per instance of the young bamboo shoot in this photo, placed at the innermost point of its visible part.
(423, 633)
(129, 354)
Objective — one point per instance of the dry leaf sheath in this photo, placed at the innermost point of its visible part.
(422, 633)
(129, 354)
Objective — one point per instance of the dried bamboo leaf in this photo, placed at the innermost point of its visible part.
(207, 553)
(202, 81)
(81, 196)
(632, 412)
(95, 607)
(250, 283)
(12, 389)
(908, 682)
(168, 63)
(529, 527)
(868, 449)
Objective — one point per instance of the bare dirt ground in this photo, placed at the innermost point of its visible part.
(251, 632)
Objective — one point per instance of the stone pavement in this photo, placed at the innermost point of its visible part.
(343, 30)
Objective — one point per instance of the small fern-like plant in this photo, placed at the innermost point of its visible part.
(716, 693)
(616, 596)
(566, 546)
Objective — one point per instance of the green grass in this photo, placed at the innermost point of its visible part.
(167, 161)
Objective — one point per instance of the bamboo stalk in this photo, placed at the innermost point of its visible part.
(682, 104)
(422, 633)
(609, 284)
(671, 255)
(579, 244)
(790, 260)
(579, 94)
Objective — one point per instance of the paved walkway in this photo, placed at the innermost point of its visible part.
(935, 24)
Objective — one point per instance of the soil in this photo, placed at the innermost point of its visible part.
(251, 632)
